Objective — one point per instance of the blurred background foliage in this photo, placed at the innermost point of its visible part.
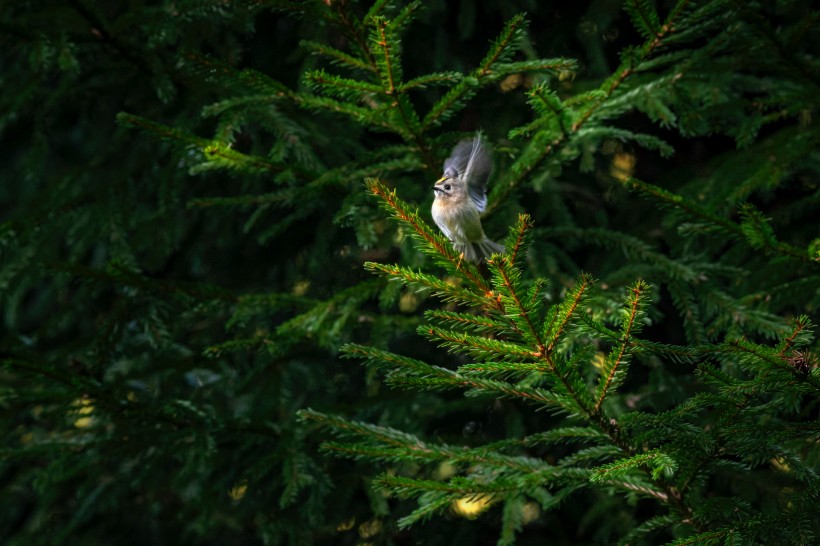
(181, 251)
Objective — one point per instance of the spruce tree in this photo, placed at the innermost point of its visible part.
(212, 210)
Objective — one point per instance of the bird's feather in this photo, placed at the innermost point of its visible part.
(471, 162)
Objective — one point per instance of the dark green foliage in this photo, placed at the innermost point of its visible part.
(212, 210)
(520, 350)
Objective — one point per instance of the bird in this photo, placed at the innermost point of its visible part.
(461, 197)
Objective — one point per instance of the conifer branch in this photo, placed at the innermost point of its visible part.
(392, 445)
(473, 322)
(546, 101)
(363, 116)
(352, 29)
(123, 357)
(764, 29)
(501, 266)
(559, 66)
(405, 15)
(679, 201)
(641, 488)
(390, 72)
(710, 538)
(501, 370)
(434, 377)
(313, 322)
(501, 47)
(384, 359)
(592, 454)
(678, 351)
(740, 346)
(566, 434)
(801, 325)
(476, 344)
(545, 344)
(565, 311)
(519, 237)
(341, 87)
(624, 343)
(535, 153)
(427, 80)
(559, 402)
(760, 234)
(659, 462)
(252, 80)
(644, 16)
(633, 247)
(375, 10)
(543, 147)
(652, 524)
(345, 427)
(388, 67)
(447, 291)
(339, 57)
(216, 153)
(500, 50)
(754, 227)
(628, 68)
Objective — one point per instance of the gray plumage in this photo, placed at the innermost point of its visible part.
(470, 161)
(461, 197)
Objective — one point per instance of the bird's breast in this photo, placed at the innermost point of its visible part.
(460, 222)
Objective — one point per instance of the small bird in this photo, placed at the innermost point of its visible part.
(461, 197)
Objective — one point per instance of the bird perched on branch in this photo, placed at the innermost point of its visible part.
(461, 197)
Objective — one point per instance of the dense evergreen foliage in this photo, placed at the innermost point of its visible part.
(213, 211)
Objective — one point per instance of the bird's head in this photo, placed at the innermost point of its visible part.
(449, 186)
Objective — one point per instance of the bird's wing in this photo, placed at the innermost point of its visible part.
(471, 162)
(444, 229)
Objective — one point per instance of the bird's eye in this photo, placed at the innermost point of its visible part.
(447, 187)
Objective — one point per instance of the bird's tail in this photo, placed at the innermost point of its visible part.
(479, 252)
